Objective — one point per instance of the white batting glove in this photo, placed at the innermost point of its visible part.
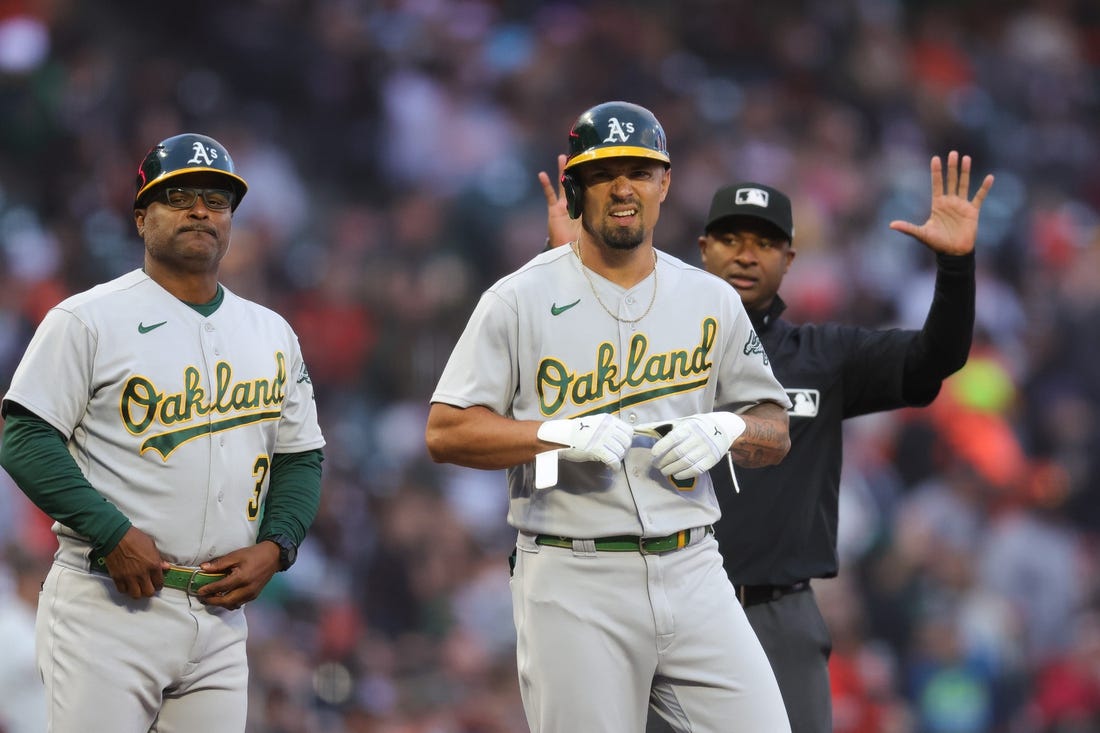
(603, 438)
(696, 443)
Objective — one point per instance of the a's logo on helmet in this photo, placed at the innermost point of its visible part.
(202, 154)
(752, 197)
(618, 132)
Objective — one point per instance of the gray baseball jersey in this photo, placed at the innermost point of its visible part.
(540, 346)
(172, 416)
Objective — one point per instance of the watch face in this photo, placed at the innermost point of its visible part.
(288, 551)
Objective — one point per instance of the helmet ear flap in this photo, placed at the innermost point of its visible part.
(574, 194)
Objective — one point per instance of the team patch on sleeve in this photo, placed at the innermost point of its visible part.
(753, 346)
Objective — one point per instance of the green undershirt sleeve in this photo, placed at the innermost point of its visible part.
(33, 453)
(293, 496)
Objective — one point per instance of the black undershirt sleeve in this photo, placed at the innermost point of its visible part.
(943, 344)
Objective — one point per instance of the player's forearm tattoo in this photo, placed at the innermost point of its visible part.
(760, 444)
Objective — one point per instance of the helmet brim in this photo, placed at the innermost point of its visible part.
(616, 151)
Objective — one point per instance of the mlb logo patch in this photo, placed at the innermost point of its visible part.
(751, 197)
(804, 402)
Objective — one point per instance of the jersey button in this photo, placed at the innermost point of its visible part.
(632, 418)
(209, 326)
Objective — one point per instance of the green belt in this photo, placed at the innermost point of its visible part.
(188, 579)
(628, 543)
(179, 577)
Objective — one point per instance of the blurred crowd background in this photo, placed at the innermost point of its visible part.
(391, 149)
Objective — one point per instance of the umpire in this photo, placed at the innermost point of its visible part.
(779, 531)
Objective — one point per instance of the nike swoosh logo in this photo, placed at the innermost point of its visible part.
(556, 311)
(142, 328)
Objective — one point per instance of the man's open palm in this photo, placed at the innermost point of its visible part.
(952, 225)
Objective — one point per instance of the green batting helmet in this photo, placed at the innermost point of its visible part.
(611, 130)
(183, 154)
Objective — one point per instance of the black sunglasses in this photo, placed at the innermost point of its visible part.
(217, 199)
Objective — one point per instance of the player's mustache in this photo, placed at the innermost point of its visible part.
(198, 228)
(619, 203)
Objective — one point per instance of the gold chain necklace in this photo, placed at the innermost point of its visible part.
(576, 247)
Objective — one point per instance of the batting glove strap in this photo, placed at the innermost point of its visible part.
(603, 438)
(696, 443)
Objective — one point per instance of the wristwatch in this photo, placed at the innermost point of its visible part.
(288, 551)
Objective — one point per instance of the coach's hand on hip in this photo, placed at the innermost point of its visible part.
(247, 572)
(135, 565)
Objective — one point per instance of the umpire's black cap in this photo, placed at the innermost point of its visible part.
(754, 200)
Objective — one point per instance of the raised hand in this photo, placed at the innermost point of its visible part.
(952, 225)
(560, 228)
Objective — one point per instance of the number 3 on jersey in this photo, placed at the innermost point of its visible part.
(259, 472)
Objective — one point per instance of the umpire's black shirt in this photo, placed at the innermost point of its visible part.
(781, 528)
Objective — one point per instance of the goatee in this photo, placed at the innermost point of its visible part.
(623, 239)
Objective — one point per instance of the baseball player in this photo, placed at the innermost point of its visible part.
(592, 375)
(779, 531)
(169, 428)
